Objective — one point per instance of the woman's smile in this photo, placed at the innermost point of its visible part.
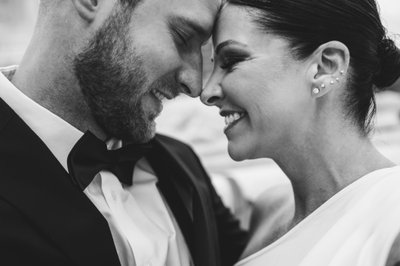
(232, 119)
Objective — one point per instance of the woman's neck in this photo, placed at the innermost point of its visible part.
(325, 165)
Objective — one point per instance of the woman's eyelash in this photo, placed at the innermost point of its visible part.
(228, 62)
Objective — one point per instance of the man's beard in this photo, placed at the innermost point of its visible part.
(113, 81)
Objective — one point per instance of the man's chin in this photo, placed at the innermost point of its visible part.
(143, 136)
(152, 132)
(148, 137)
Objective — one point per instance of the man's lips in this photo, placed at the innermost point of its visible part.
(160, 95)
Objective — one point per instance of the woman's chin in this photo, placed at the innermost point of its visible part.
(238, 154)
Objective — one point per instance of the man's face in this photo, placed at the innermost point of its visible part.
(140, 57)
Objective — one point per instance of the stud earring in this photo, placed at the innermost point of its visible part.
(315, 91)
(341, 72)
(337, 79)
(331, 82)
(322, 86)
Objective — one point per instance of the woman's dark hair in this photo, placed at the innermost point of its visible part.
(307, 24)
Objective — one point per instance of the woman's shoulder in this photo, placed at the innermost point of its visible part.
(272, 210)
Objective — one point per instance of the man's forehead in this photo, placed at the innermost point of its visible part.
(193, 6)
(200, 14)
(216, 3)
(189, 8)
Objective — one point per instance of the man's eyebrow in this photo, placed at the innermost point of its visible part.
(228, 42)
(184, 21)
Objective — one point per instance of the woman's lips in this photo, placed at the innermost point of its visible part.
(232, 118)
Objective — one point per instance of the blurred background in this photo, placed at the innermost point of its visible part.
(187, 119)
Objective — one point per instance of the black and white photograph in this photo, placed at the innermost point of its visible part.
(199, 132)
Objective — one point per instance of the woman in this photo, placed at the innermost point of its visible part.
(295, 81)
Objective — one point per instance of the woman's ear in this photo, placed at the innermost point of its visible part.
(329, 66)
(87, 9)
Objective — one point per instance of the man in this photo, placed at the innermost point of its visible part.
(103, 67)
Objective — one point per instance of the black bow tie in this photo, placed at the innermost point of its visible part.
(89, 156)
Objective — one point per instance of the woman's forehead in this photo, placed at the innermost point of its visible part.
(232, 20)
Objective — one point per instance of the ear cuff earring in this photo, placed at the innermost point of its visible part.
(337, 79)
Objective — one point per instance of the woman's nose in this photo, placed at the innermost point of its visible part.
(211, 93)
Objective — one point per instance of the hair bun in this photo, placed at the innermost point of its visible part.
(389, 64)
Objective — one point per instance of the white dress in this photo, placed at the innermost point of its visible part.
(356, 227)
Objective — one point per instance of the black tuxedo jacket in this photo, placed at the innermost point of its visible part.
(46, 220)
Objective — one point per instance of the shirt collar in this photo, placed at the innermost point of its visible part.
(58, 135)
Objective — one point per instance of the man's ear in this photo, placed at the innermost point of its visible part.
(330, 64)
(87, 9)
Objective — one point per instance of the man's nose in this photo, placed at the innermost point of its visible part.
(190, 76)
(212, 93)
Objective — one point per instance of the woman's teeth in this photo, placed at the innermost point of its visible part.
(158, 95)
(231, 118)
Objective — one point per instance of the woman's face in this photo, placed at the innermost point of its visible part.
(258, 86)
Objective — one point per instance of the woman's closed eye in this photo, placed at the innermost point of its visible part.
(229, 60)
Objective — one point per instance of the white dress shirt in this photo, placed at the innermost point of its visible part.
(142, 225)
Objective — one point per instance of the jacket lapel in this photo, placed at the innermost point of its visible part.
(34, 182)
(187, 197)
(177, 190)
